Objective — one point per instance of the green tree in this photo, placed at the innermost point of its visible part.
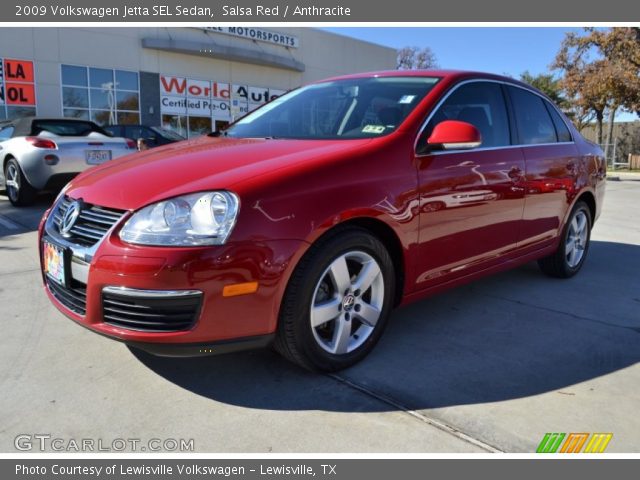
(551, 86)
(548, 84)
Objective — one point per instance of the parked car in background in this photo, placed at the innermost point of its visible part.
(45, 153)
(310, 218)
(152, 136)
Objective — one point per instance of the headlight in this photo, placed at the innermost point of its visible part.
(205, 218)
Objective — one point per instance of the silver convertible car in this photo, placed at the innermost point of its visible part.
(45, 153)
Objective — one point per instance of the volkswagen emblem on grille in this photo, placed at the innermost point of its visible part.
(69, 218)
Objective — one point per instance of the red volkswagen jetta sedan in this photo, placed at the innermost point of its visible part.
(309, 219)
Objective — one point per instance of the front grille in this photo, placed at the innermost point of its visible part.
(150, 314)
(92, 224)
(74, 297)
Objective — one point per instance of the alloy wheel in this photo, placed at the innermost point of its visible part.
(347, 302)
(576, 241)
(12, 182)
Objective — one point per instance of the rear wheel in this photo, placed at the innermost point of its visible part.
(574, 245)
(337, 302)
(19, 190)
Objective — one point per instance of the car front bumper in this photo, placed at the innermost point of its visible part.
(220, 323)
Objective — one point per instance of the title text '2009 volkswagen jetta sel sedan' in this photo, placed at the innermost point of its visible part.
(309, 219)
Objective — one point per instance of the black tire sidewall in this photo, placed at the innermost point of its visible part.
(26, 193)
(316, 264)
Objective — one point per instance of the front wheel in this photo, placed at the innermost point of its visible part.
(337, 302)
(19, 190)
(568, 259)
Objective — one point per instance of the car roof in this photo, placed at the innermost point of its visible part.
(450, 75)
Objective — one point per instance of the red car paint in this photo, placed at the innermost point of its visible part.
(448, 228)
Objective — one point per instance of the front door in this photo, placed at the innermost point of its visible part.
(471, 201)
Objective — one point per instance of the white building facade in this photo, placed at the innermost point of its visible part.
(191, 80)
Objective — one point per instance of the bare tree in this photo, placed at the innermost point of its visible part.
(415, 58)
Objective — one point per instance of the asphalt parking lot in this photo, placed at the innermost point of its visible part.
(491, 366)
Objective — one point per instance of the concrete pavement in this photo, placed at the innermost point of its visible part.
(489, 366)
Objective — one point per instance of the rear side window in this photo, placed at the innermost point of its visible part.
(561, 128)
(480, 104)
(5, 133)
(532, 118)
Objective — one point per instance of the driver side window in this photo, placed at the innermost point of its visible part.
(482, 105)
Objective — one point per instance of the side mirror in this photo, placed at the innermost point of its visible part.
(454, 135)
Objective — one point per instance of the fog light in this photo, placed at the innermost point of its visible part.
(51, 159)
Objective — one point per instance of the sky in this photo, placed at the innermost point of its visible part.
(502, 50)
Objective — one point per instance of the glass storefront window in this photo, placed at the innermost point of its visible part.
(126, 80)
(101, 99)
(101, 78)
(75, 97)
(104, 95)
(175, 123)
(103, 117)
(18, 112)
(128, 118)
(76, 113)
(199, 126)
(127, 100)
(72, 75)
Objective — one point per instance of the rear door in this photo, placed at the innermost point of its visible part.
(552, 164)
(471, 201)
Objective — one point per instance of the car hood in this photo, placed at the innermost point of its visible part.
(205, 163)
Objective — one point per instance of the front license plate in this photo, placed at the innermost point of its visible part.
(96, 157)
(54, 262)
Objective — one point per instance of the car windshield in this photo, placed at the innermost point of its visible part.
(66, 128)
(170, 134)
(341, 109)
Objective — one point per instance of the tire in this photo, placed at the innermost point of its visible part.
(323, 289)
(572, 251)
(19, 190)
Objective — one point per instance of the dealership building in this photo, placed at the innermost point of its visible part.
(192, 80)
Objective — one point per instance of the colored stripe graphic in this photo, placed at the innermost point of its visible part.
(574, 443)
(598, 442)
(550, 442)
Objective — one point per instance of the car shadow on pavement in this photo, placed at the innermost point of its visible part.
(17, 220)
(509, 336)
